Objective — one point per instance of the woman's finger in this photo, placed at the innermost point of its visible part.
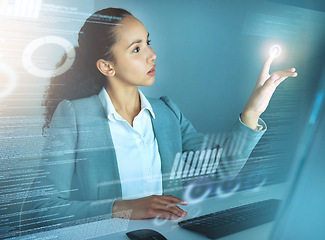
(164, 201)
(287, 70)
(278, 77)
(166, 215)
(170, 208)
(282, 73)
(174, 208)
(168, 202)
(267, 65)
(279, 80)
(173, 199)
(290, 70)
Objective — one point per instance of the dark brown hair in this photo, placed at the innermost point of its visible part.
(96, 39)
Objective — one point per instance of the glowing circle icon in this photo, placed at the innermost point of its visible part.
(222, 194)
(188, 198)
(12, 80)
(275, 51)
(259, 186)
(35, 44)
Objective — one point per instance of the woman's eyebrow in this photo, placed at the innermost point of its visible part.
(137, 41)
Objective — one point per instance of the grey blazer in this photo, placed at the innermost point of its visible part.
(79, 177)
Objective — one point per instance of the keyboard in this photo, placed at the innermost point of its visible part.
(226, 222)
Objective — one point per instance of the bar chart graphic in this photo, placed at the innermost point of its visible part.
(28, 9)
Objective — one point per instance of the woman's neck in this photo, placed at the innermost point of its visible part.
(126, 101)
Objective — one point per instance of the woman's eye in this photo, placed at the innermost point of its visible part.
(148, 42)
(136, 50)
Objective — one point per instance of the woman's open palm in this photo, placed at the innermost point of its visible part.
(265, 87)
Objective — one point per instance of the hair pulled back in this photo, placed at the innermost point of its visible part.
(96, 39)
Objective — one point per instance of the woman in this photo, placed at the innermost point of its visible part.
(109, 148)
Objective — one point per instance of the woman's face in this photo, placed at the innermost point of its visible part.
(134, 58)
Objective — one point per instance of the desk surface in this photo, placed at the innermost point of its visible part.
(171, 230)
(116, 228)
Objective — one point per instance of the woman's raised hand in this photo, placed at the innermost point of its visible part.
(162, 206)
(263, 91)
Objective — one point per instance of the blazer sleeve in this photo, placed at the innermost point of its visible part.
(50, 194)
(236, 149)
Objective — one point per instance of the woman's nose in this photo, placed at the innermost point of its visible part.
(152, 55)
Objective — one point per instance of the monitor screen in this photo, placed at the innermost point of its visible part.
(209, 55)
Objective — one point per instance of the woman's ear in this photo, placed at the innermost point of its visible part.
(105, 68)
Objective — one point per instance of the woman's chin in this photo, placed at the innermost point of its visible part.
(149, 82)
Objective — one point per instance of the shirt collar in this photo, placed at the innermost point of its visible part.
(110, 109)
(145, 104)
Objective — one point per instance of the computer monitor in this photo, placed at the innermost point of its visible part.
(210, 54)
(302, 213)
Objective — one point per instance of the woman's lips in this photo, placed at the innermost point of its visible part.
(152, 72)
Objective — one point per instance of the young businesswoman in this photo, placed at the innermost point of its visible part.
(108, 146)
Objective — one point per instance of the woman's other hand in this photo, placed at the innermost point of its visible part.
(263, 91)
(162, 206)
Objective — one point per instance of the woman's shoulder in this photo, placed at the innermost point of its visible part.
(88, 105)
(87, 100)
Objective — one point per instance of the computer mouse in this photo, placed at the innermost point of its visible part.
(145, 234)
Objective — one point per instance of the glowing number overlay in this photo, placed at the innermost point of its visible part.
(275, 51)
(12, 80)
(31, 47)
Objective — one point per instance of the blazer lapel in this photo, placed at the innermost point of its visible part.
(168, 146)
(107, 175)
